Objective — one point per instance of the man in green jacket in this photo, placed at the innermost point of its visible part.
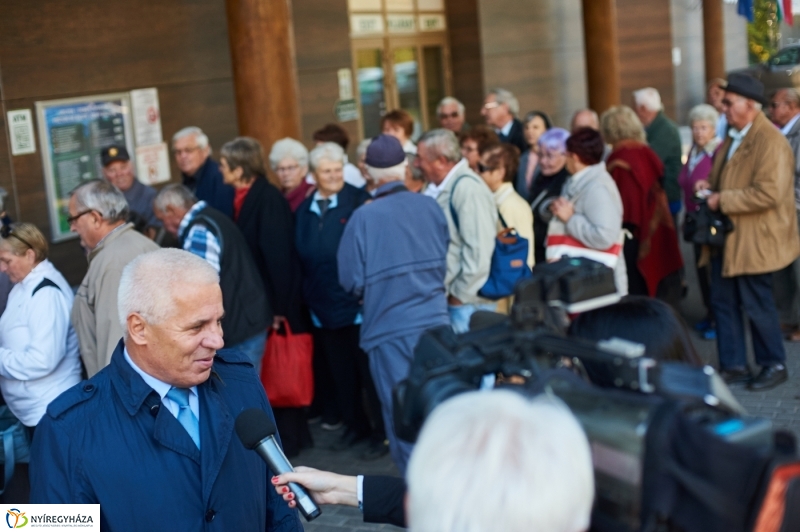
(664, 139)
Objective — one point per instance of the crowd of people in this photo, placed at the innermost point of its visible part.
(365, 257)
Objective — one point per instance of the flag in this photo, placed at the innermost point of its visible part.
(745, 9)
(785, 11)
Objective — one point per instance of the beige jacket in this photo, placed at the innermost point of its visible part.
(756, 189)
(517, 213)
(94, 312)
(469, 255)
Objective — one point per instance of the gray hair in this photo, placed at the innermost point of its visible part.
(200, 137)
(449, 100)
(503, 96)
(327, 151)
(361, 150)
(442, 143)
(535, 450)
(102, 197)
(149, 281)
(393, 173)
(288, 148)
(649, 98)
(174, 195)
(791, 94)
(703, 113)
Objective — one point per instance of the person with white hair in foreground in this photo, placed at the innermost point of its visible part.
(483, 461)
(154, 429)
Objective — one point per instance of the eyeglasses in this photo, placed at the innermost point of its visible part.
(287, 169)
(7, 232)
(774, 105)
(185, 151)
(490, 105)
(445, 116)
(482, 168)
(72, 219)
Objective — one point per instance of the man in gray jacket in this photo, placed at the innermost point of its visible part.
(97, 212)
(471, 215)
(785, 113)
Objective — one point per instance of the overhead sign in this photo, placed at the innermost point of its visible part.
(366, 24)
(73, 132)
(20, 132)
(401, 23)
(432, 23)
(345, 84)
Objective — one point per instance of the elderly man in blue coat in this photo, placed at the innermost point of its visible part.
(151, 437)
(393, 254)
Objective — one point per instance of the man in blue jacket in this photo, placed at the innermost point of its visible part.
(393, 254)
(150, 437)
(200, 172)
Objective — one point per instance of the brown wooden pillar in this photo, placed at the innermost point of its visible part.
(714, 39)
(264, 70)
(602, 53)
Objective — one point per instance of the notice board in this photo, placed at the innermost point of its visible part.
(72, 133)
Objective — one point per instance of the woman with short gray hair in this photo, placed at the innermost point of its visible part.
(705, 143)
(289, 160)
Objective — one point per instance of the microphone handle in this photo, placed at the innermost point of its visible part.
(272, 454)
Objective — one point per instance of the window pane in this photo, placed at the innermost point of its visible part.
(430, 5)
(433, 60)
(370, 85)
(407, 78)
(364, 5)
(399, 5)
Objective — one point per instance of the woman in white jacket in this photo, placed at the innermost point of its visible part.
(588, 215)
(38, 347)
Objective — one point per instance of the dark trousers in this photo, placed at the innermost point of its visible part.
(704, 278)
(753, 294)
(352, 382)
(19, 487)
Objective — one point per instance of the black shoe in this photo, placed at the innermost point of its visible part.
(347, 440)
(770, 377)
(736, 375)
(375, 450)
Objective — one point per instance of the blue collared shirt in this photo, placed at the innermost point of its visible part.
(738, 137)
(162, 388)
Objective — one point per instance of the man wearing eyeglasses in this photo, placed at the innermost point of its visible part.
(451, 115)
(785, 113)
(500, 109)
(200, 172)
(98, 213)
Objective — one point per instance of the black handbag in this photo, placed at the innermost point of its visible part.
(706, 227)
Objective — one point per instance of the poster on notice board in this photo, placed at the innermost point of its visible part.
(72, 133)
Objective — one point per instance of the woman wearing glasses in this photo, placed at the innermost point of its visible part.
(38, 347)
(289, 160)
(548, 184)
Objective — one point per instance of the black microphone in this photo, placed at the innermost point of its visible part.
(257, 432)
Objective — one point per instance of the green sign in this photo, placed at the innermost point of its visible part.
(346, 110)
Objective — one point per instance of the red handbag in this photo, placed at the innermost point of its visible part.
(286, 370)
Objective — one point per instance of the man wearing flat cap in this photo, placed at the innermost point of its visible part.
(118, 170)
(752, 182)
(393, 254)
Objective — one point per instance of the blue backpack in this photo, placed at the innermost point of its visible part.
(509, 260)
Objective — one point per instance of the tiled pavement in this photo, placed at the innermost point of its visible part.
(782, 405)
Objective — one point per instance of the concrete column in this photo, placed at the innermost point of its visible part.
(602, 53)
(264, 69)
(714, 39)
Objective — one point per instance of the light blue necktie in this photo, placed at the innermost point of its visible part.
(185, 415)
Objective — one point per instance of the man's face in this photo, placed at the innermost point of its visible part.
(449, 118)
(180, 350)
(86, 223)
(715, 96)
(738, 110)
(171, 218)
(584, 119)
(781, 111)
(496, 115)
(120, 174)
(188, 155)
(429, 168)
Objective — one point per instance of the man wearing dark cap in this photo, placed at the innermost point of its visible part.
(393, 254)
(118, 170)
(752, 182)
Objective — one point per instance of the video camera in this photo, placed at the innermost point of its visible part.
(672, 448)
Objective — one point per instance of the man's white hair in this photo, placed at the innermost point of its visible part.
(449, 100)
(149, 281)
(199, 137)
(288, 148)
(327, 151)
(503, 96)
(393, 173)
(441, 143)
(361, 151)
(497, 461)
(649, 98)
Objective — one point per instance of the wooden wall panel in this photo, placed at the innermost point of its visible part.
(466, 58)
(51, 50)
(6, 176)
(645, 49)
